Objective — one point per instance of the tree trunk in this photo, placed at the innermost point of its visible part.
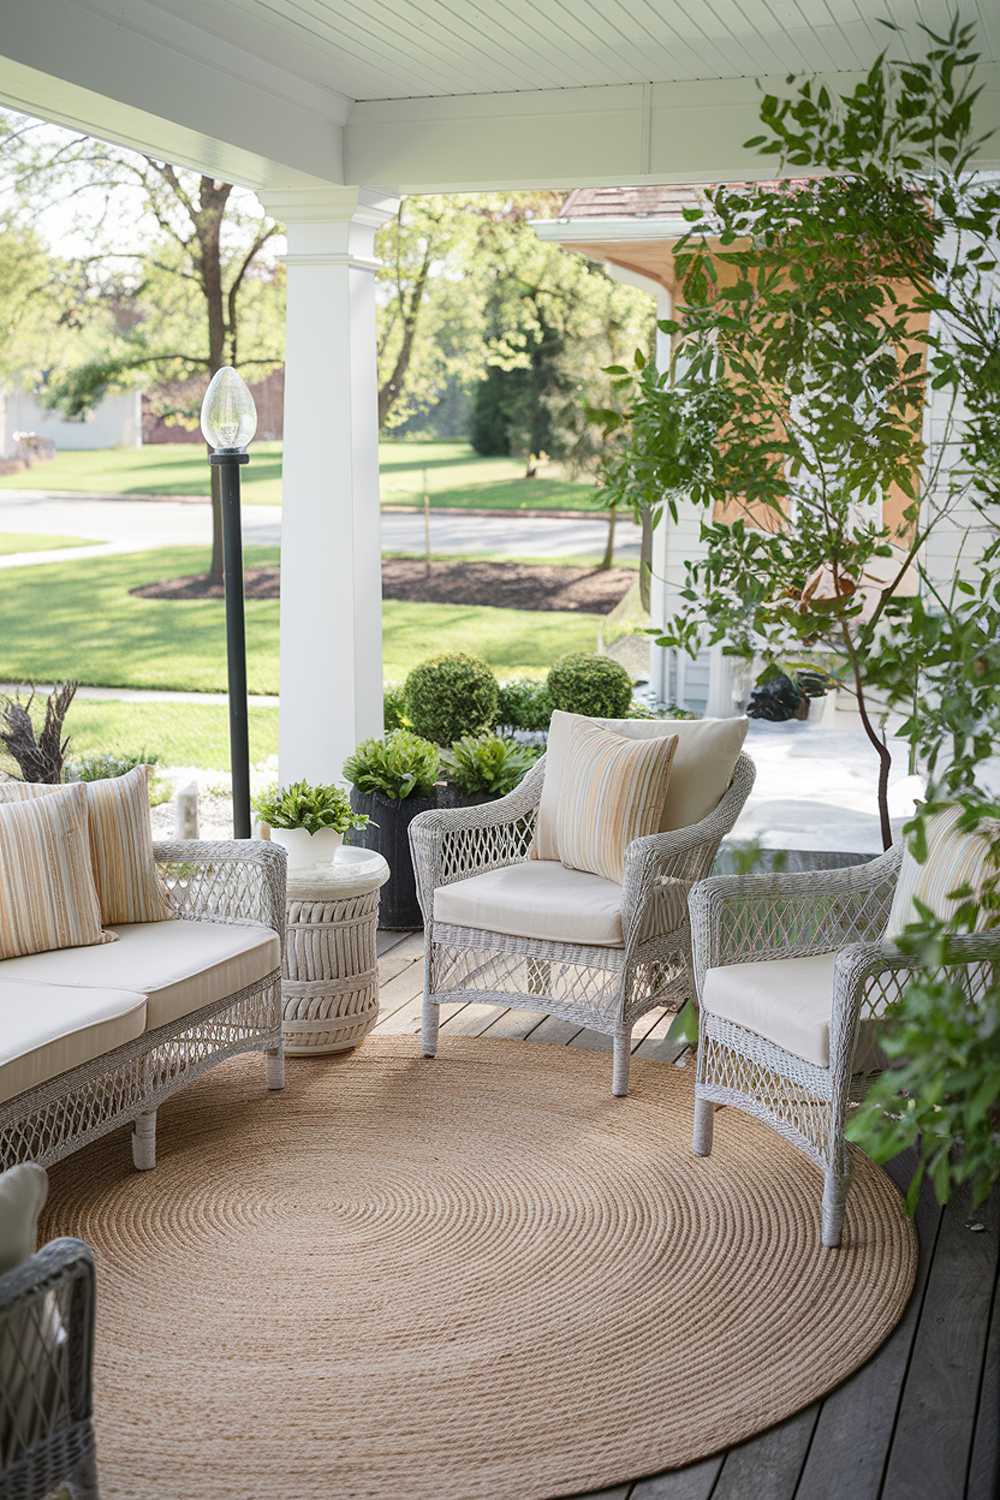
(607, 561)
(878, 744)
(212, 203)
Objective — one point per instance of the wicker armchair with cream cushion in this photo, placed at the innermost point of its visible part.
(794, 974)
(507, 922)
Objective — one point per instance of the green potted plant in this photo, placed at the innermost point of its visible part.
(392, 780)
(308, 821)
(480, 768)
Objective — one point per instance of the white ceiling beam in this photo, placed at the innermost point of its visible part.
(586, 137)
(145, 79)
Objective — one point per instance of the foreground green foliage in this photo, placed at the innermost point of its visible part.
(796, 393)
(487, 765)
(301, 804)
(451, 696)
(400, 765)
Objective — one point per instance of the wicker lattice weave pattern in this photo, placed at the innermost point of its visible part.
(607, 989)
(751, 919)
(239, 882)
(46, 1340)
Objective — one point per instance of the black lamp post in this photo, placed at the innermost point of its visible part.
(228, 422)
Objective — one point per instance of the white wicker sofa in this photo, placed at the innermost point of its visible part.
(95, 1037)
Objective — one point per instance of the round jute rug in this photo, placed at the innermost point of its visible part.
(476, 1277)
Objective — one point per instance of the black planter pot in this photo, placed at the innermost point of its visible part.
(452, 798)
(398, 907)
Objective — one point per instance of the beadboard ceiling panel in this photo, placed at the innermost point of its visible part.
(399, 49)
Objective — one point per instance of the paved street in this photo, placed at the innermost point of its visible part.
(123, 525)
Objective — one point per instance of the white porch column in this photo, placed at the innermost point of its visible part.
(659, 658)
(331, 590)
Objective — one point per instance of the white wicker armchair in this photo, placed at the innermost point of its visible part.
(763, 921)
(604, 987)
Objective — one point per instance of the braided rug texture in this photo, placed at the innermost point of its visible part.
(480, 1276)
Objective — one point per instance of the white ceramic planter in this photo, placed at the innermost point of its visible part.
(307, 851)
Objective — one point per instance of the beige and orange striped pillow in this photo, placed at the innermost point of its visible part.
(128, 883)
(612, 791)
(954, 859)
(47, 894)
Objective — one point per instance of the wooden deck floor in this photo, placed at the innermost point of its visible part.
(919, 1421)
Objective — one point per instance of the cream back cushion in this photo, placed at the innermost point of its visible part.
(613, 790)
(703, 764)
(47, 894)
(954, 859)
(129, 886)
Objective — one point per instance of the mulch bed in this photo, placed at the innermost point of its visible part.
(505, 585)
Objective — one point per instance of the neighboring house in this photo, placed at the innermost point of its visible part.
(632, 231)
(116, 422)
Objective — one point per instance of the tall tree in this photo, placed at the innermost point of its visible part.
(172, 262)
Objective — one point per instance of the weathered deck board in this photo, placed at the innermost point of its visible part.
(919, 1421)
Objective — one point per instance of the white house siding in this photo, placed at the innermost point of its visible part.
(115, 423)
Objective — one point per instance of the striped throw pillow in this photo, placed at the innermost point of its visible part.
(128, 883)
(612, 792)
(954, 859)
(47, 893)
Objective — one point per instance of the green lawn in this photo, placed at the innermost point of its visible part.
(181, 734)
(455, 476)
(78, 619)
(12, 542)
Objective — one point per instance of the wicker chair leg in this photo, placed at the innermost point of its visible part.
(144, 1141)
(430, 1019)
(274, 1068)
(704, 1124)
(622, 1059)
(835, 1185)
(82, 1483)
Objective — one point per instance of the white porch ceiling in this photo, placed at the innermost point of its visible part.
(399, 49)
(446, 95)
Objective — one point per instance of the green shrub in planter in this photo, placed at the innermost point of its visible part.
(524, 704)
(450, 696)
(669, 711)
(595, 686)
(487, 766)
(392, 781)
(394, 714)
(402, 765)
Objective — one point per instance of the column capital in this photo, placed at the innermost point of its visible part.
(330, 204)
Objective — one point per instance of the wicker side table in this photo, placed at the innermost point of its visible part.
(329, 984)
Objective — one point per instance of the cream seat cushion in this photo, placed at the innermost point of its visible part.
(788, 1001)
(46, 1029)
(701, 770)
(179, 966)
(537, 899)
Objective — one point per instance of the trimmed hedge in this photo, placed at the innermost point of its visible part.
(524, 704)
(448, 697)
(595, 686)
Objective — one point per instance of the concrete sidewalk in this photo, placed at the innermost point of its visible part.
(119, 524)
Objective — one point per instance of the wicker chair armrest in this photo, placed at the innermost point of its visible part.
(750, 918)
(449, 844)
(240, 881)
(57, 1280)
(868, 977)
(660, 868)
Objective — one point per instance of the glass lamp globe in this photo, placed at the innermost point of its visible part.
(228, 415)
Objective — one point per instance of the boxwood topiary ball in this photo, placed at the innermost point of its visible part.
(451, 696)
(595, 686)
